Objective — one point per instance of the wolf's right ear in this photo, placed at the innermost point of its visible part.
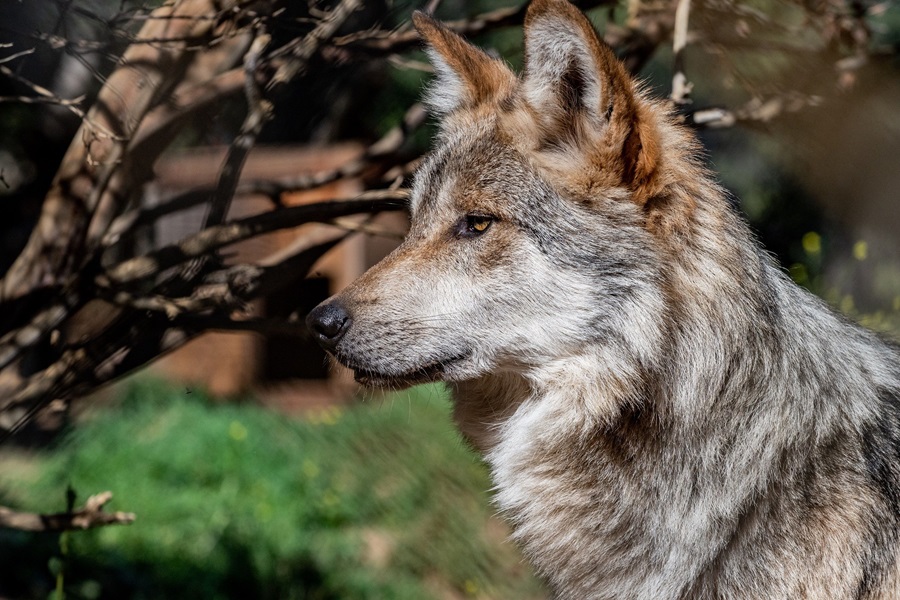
(465, 75)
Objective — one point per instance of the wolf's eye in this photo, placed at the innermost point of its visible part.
(479, 224)
(473, 225)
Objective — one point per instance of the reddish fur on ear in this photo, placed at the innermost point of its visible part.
(628, 148)
(640, 155)
(483, 78)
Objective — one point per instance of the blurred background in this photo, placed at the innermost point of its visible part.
(256, 468)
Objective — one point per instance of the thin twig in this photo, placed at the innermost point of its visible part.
(757, 110)
(87, 517)
(300, 50)
(44, 96)
(13, 57)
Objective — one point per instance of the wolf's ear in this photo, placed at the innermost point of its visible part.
(566, 66)
(465, 75)
(581, 93)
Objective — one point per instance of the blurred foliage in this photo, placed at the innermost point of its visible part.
(381, 500)
(885, 24)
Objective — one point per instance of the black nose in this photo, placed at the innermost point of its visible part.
(328, 323)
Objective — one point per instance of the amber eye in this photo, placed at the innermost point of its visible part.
(479, 224)
(473, 225)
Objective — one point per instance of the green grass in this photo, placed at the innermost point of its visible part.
(381, 500)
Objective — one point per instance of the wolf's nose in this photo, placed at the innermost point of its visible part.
(329, 322)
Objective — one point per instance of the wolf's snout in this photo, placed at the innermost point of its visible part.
(328, 323)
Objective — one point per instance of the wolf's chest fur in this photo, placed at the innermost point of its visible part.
(630, 511)
(581, 522)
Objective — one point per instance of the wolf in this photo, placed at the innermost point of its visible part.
(665, 414)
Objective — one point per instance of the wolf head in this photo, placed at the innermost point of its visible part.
(536, 221)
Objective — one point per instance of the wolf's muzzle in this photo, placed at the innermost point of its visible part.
(328, 323)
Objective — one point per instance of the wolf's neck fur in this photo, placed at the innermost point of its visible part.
(651, 502)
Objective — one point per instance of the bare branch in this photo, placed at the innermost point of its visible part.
(44, 96)
(73, 103)
(260, 109)
(302, 49)
(89, 516)
(133, 340)
(681, 88)
(259, 112)
(130, 341)
(230, 288)
(14, 342)
(386, 151)
(13, 57)
(757, 110)
(383, 42)
(213, 238)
